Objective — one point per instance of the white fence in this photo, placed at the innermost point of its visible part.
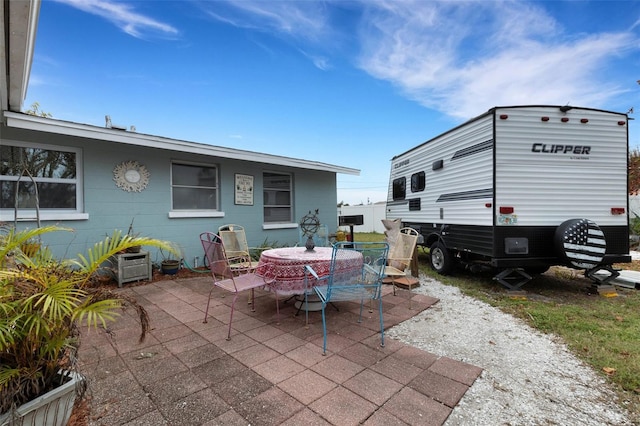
(372, 217)
(374, 213)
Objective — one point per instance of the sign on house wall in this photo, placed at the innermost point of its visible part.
(244, 190)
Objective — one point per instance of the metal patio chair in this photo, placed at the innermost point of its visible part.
(227, 278)
(400, 256)
(362, 282)
(236, 247)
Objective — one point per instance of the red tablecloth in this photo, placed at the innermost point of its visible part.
(287, 266)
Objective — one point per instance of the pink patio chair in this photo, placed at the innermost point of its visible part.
(227, 278)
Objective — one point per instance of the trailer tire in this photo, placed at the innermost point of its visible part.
(581, 243)
(441, 258)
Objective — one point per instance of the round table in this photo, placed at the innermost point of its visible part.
(287, 264)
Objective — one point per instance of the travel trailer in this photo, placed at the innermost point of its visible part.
(519, 189)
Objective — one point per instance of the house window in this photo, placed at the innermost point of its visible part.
(399, 188)
(194, 187)
(55, 172)
(417, 182)
(277, 197)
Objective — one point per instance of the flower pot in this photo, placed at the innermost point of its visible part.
(51, 409)
(310, 244)
(170, 267)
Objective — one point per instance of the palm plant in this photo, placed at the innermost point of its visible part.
(43, 301)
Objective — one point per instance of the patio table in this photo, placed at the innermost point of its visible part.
(287, 264)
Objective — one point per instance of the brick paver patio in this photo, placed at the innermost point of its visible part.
(271, 372)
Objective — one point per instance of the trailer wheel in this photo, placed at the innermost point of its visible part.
(581, 243)
(440, 258)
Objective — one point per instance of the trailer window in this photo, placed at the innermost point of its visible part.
(417, 182)
(399, 188)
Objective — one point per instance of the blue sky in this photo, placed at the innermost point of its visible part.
(351, 83)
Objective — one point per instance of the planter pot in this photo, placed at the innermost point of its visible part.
(51, 409)
(310, 244)
(104, 279)
(170, 267)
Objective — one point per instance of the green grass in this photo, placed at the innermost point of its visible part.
(602, 331)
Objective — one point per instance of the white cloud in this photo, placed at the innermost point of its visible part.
(319, 61)
(460, 58)
(463, 58)
(307, 20)
(123, 16)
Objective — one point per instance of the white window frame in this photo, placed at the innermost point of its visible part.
(28, 215)
(187, 213)
(284, 224)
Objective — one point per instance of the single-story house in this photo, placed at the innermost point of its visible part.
(96, 179)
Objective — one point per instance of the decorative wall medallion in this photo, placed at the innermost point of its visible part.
(131, 176)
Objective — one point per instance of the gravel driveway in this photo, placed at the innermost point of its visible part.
(529, 378)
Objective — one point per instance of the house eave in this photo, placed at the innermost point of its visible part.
(19, 25)
(41, 124)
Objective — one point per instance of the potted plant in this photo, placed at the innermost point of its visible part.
(43, 301)
(169, 265)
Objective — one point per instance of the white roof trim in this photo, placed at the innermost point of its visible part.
(4, 59)
(30, 122)
(17, 44)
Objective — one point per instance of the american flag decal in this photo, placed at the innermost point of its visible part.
(584, 244)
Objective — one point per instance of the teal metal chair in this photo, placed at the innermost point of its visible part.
(351, 278)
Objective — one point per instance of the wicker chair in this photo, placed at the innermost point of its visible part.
(400, 256)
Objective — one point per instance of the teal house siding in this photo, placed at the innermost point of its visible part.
(105, 207)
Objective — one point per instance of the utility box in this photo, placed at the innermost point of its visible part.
(352, 220)
(134, 267)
